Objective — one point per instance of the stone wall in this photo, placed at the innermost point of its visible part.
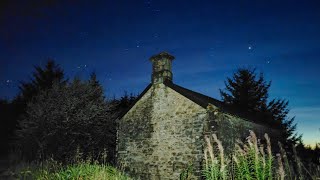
(230, 128)
(161, 135)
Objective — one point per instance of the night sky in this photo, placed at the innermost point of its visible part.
(210, 40)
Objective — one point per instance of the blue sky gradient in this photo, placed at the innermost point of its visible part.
(210, 40)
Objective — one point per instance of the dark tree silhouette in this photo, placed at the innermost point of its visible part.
(42, 79)
(66, 117)
(248, 93)
(278, 110)
(6, 125)
(126, 100)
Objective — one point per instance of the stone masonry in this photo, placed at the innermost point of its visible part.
(163, 132)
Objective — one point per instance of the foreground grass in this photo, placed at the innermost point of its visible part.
(252, 161)
(51, 170)
(249, 161)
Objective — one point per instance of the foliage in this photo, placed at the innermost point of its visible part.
(6, 125)
(66, 117)
(186, 174)
(52, 170)
(216, 166)
(123, 102)
(251, 160)
(278, 111)
(310, 157)
(10, 111)
(248, 93)
(42, 79)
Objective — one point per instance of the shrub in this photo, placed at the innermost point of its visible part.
(64, 118)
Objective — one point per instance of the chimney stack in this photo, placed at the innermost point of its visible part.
(161, 67)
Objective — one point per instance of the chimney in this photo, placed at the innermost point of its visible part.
(161, 67)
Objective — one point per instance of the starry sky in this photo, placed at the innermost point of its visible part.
(209, 39)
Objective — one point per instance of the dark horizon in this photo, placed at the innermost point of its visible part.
(209, 40)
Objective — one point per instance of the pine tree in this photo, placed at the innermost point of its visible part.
(248, 93)
(278, 109)
(42, 79)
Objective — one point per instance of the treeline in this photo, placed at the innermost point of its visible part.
(53, 117)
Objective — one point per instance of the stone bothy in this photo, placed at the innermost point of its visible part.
(163, 131)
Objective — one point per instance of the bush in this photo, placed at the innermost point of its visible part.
(65, 118)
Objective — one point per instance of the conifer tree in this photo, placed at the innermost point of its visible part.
(248, 93)
(42, 79)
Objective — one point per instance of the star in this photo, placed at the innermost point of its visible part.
(250, 47)
(138, 46)
(268, 62)
(148, 3)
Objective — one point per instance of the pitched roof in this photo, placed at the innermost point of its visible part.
(200, 99)
(203, 100)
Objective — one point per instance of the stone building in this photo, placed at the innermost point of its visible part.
(163, 131)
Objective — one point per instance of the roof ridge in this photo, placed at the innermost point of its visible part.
(200, 99)
(204, 100)
(187, 93)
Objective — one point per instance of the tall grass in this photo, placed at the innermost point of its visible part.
(85, 170)
(251, 160)
(78, 169)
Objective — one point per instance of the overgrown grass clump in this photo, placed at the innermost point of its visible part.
(52, 170)
(75, 171)
(252, 160)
